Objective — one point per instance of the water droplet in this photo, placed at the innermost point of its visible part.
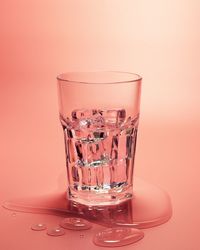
(38, 227)
(56, 231)
(82, 235)
(14, 214)
(114, 237)
(75, 224)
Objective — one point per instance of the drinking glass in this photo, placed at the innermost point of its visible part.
(99, 113)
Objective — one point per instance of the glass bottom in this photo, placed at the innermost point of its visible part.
(150, 206)
(91, 198)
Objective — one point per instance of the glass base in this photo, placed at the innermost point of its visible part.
(92, 198)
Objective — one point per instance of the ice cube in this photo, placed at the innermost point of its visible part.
(96, 154)
(85, 123)
(79, 114)
(87, 118)
(114, 117)
(98, 121)
(99, 135)
(92, 136)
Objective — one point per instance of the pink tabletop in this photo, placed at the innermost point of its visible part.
(32, 162)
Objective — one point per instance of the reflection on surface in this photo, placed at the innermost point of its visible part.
(115, 237)
(149, 207)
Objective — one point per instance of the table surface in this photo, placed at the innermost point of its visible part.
(32, 162)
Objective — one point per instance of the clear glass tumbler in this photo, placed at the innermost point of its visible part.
(99, 113)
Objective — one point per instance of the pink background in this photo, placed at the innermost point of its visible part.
(157, 39)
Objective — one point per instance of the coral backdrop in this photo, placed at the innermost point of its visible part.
(157, 39)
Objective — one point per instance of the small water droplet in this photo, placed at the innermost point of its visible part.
(114, 237)
(38, 227)
(56, 231)
(82, 235)
(14, 214)
(75, 224)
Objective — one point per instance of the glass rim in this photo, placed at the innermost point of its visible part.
(133, 77)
